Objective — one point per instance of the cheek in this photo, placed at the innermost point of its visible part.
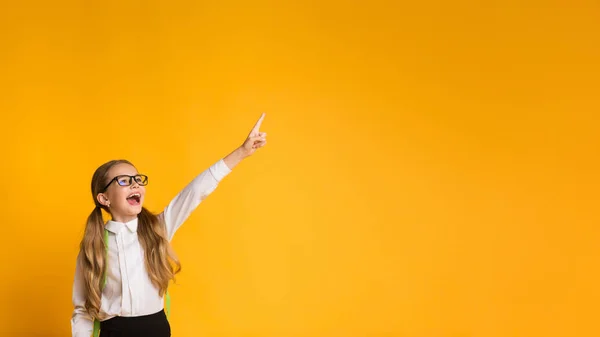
(118, 195)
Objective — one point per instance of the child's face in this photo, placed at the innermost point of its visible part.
(125, 201)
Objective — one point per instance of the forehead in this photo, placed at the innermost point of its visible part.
(121, 169)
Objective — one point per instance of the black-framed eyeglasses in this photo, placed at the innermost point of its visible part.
(126, 180)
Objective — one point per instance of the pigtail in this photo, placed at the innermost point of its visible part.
(93, 252)
(161, 261)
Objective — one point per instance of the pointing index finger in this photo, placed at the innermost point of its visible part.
(257, 125)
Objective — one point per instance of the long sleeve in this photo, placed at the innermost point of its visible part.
(180, 208)
(81, 322)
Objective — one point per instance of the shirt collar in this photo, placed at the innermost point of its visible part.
(115, 226)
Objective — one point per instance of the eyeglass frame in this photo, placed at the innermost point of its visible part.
(131, 180)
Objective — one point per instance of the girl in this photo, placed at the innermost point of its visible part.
(124, 265)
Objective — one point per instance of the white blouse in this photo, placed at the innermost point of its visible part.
(129, 291)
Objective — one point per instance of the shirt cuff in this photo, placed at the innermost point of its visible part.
(219, 170)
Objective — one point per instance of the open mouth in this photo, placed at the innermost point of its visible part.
(134, 199)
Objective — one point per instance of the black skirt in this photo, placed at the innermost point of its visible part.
(155, 325)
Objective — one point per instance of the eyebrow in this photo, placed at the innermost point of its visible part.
(125, 174)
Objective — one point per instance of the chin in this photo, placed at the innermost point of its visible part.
(135, 210)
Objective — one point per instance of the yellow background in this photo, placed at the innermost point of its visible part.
(432, 167)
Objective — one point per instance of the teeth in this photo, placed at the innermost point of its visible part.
(135, 195)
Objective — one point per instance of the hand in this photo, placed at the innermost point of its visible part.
(255, 140)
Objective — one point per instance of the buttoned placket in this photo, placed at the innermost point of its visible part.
(125, 300)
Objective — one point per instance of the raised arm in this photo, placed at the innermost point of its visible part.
(180, 208)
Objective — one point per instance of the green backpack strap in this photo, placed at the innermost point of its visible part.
(96, 328)
(168, 304)
(96, 332)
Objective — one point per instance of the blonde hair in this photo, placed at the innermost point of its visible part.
(160, 259)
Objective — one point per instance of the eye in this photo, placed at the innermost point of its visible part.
(141, 179)
(123, 180)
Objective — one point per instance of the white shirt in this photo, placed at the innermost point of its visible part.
(129, 291)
